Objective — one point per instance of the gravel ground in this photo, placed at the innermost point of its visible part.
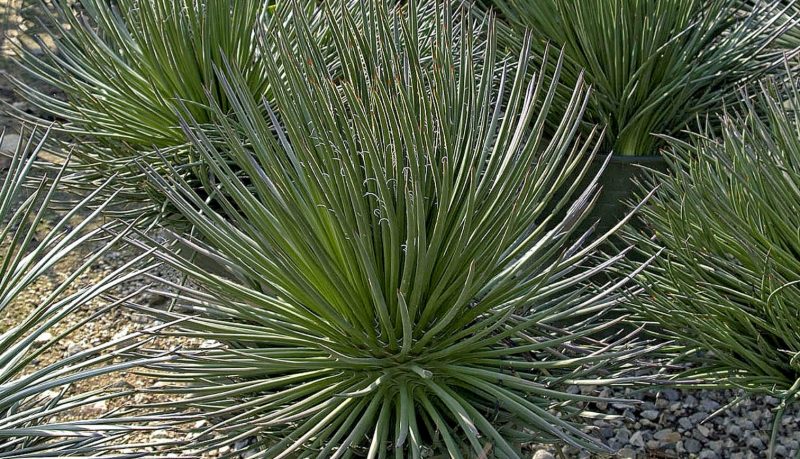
(676, 424)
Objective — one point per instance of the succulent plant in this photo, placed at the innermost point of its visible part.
(401, 288)
(122, 73)
(654, 66)
(726, 216)
(118, 72)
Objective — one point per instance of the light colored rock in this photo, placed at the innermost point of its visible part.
(100, 406)
(38, 46)
(667, 436)
(43, 338)
(543, 454)
(9, 143)
(636, 440)
(72, 349)
(53, 158)
(7, 149)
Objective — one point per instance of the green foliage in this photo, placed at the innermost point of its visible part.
(123, 70)
(790, 40)
(654, 66)
(123, 65)
(31, 394)
(409, 289)
(728, 217)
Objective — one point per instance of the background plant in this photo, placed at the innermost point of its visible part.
(32, 395)
(727, 286)
(406, 281)
(654, 67)
(119, 69)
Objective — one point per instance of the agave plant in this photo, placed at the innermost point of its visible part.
(727, 287)
(123, 64)
(654, 66)
(408, 291)
(34, 397)
(119, 69)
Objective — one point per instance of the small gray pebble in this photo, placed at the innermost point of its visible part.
(636, 440)
(692, 446)
(685, 423)
(671, 394)
(73, 349)
(588, 389)
(697, 417)
(623, 435)
(756, 443)
(667, 436)
(734, 430)
(650, 415)
(709, 405)
(573, 390)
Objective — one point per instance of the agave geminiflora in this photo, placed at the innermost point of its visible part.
(727, 287)
(120, 67)
(405, 283)
(33, 395)
(654, 66)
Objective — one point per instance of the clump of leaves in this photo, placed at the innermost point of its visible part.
(654, 66)
(34, 395)
(119, 69)
(727, 286)
(122, 65)
(407, 290)
(123, 71)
